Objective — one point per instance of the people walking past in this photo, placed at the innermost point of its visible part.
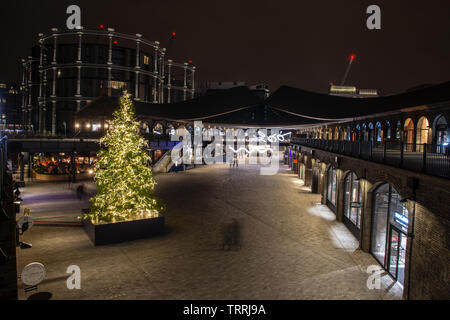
(81, 193)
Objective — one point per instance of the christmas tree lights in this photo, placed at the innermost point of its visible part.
(124, 178)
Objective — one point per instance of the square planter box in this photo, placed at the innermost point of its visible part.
(103, 234)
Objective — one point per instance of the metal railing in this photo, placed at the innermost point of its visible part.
(3, 162)
(425, 158)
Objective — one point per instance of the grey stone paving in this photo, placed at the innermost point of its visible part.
(292, 246)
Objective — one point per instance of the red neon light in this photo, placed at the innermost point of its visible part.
(352, 57)
(116, 42)
(174, 34)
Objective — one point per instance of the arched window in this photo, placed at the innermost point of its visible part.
(370, 133)
(388, 130)
(441, 134)
(423, 133)
(170, 129)
(158, 129)
(358, 133)
(378, 132)
(145, 127)
(389, 230)
(332, 185)
(398, 130)
(191, 130)
(408, 129)
(352, 199)
(349, 133)
(336, 133)
(364, 132)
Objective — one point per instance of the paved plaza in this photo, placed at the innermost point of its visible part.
(292, 246)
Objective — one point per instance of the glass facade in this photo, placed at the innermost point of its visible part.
(332, 185)
(390, 226)
(353, 199)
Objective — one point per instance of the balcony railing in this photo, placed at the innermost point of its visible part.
(425, 158)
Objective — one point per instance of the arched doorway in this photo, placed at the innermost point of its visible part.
(352, 203)
(370, 133)
(378, 132)
(389, 231)
(302, 163)
(408, 130)
(364, 133)
(348, 136)
(331, 185)
(398, 130)
(441, 134)
(388, 130)
(145, 128)
(423, 133)
(170, 129)
(158, 129)
(357, 133)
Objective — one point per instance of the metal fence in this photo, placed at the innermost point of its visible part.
(425, 158)
(3, 160)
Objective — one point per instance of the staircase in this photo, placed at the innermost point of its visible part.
(164, 164)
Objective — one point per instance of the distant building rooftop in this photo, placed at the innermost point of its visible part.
(352, 92)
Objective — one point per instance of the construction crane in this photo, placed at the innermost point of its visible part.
(352, 57)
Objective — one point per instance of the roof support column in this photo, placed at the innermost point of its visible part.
(137, 67)
(192, 83)
(111, 30)
(41, 80)
(169, 79)
(155, 73)
(185, 81)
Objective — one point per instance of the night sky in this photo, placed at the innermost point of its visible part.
(304, 44)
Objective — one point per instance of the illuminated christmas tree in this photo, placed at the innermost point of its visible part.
(123, 175)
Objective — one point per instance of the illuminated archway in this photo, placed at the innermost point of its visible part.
(364, 133)
(352, 201)
(389, 231)
(358, 133)
(370, 132)
(441, 132)
(423, 133)
(398, 130)
(378, 132)
(408, 130)
(332, 185)
(388, 130)
(158, 129)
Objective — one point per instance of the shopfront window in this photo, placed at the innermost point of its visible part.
(332, 184)
(398, 130)
(388, 130)
(389, 232)
(442, 134)
(353, 199)
(379, 132)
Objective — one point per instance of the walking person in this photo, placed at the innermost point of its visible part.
(80, 192)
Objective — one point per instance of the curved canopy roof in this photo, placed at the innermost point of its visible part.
(285, 107)
(322, 106)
